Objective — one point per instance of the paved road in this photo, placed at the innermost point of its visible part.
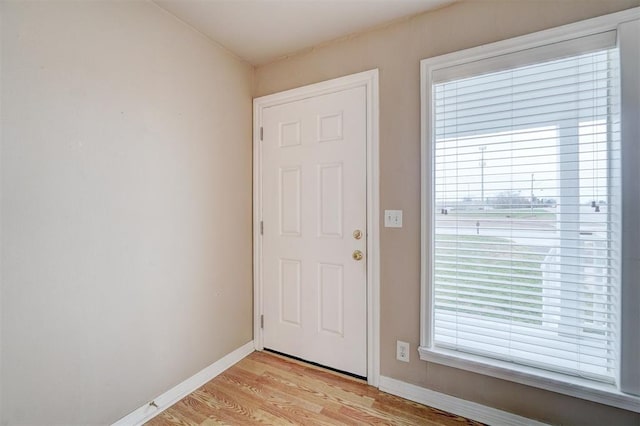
(538, 232)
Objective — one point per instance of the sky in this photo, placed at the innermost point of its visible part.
(549, 128)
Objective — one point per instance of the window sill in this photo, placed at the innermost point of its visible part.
(566, 385)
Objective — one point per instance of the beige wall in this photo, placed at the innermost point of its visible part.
(126, 208)
(396, 50)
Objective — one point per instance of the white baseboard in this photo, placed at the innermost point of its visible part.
(460, 407)
(175, 394)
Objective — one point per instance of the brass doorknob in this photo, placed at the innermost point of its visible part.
(357, 255)
(357, 234)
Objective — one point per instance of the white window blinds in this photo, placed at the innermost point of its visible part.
(526, 222)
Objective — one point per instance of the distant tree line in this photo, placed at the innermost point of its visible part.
(514, 200)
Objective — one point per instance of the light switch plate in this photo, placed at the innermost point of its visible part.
(393, 218)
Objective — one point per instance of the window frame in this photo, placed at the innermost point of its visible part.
(627, 36)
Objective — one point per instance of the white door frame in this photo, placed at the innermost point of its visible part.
(368, 80)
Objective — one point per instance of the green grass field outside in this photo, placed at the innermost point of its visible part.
(519, 260)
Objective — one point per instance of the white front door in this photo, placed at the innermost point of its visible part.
(314, 204)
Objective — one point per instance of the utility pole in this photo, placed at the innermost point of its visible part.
(482, 164)
(532, 194)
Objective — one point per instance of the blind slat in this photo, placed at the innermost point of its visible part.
(560, 344)
(482, 302)
(526, 222)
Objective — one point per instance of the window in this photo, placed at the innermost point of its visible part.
(522, 221)
(526, 231)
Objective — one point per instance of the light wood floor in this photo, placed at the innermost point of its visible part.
(265, 388)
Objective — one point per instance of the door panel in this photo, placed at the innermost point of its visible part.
(314, 198)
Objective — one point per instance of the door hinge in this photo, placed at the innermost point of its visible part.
(261, 133)
(261, 228)
(262, 321)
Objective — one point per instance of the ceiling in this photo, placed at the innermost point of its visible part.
(260, 31)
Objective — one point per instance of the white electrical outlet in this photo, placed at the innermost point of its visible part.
(402, 351)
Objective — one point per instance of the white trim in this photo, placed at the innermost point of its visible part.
(451, 404)
(426, 218)
(629, 34)
(368, 79)
(561, 384)
(373, 231)
(548, 380)
(529, 41)
(176, 393)
(257, 225)
(523, 57)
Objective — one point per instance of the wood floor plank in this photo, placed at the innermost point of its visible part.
(213, 422)
(230, 410)
(265, 391)
(318, 388)
(269, 389)
(285, 409)
(177, 418)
